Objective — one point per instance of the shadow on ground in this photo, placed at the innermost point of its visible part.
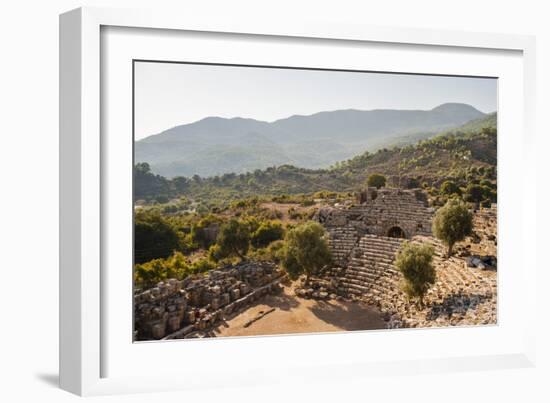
(282, 301)
(348, 315)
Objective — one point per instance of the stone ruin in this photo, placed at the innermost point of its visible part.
(177, 309)
(393, 213)
(364, 239)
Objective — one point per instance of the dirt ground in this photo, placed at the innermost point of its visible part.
(297, 315)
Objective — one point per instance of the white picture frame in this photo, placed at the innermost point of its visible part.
(86, 182)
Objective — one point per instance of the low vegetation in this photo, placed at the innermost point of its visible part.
(182, 245)
(305, 250)
(452, 223)
(415, 263)
(376, 180)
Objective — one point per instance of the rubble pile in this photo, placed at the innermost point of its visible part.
(180, 308)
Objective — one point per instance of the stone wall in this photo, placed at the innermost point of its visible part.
(378, 211)
(180, 308)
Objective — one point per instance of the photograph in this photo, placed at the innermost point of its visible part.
(276, 200)
(280, 201)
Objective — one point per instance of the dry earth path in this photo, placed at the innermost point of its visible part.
(297, 315)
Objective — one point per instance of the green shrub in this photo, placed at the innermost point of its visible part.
(452, 223)
(215, 253)
(307, 203)
(474, 193)
(305, 250)
(275, 251)
(294, 214)
(449, 188)
(415, 263)
(486, 203)
(376, 180)
(205, 231)
(150, 273)
(202, 266)
(234, 239)
(154, 237)
(267, 232)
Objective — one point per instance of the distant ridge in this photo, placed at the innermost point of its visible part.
(215, 145)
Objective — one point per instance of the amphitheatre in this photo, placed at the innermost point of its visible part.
(360, 290)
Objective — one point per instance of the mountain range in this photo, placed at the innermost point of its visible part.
(214, 145)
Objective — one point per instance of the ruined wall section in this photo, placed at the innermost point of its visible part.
(345, 228)
(181, 308)
(386, 208)
(377, 212)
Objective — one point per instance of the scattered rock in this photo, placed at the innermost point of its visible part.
(175, 309)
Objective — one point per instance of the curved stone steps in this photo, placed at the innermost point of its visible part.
(342, 240)
(371, 268)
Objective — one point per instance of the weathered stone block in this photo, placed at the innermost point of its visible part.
(235, 294)
(174, 323)
(189, 316)
(158, 331)
(244, 289)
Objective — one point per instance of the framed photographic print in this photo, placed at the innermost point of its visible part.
(240, 196)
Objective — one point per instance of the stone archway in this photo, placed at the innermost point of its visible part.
(396, 232)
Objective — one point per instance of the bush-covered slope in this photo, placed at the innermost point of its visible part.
(460, 157)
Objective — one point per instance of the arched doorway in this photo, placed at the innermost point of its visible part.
(396, 232)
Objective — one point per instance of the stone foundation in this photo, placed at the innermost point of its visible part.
(178, 308)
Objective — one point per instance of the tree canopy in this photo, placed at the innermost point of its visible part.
(154, 237)
(233, 239)
(452, 223)
(450, 188)
(267, 232)
(415, 263)
(376, 180)
(306, 250)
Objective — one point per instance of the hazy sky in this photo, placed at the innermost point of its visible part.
(169, 94)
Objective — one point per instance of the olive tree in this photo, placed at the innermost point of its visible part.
(154, 236)
(474, 193)
(415, 263)
(452, 223)
(267, 232)
(305, 250)
(233, 239)
(449, 188)
(376, 180)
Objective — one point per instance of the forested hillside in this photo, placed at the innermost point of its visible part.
(461, 157)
